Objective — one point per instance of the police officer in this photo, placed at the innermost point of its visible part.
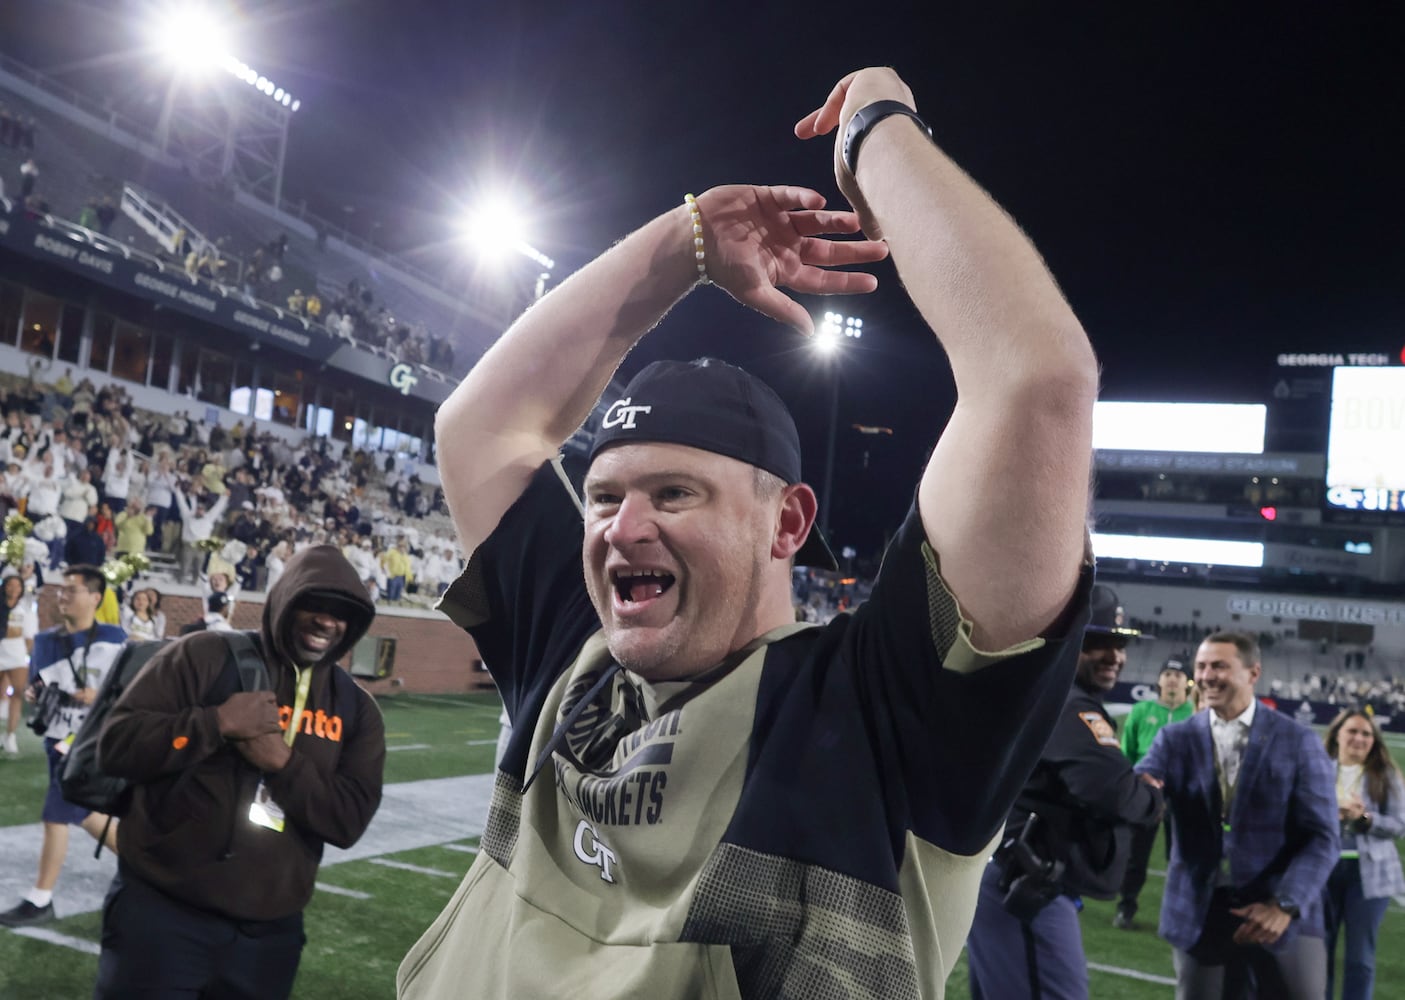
(1068, 835)
(1171, 704)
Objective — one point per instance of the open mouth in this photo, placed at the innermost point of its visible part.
(315, 640)
(639, 586)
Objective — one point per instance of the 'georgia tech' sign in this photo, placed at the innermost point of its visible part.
(403, 377)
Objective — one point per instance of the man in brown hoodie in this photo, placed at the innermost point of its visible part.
(234, 800)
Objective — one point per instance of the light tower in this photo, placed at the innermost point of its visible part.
(221, 118)
(832, 334)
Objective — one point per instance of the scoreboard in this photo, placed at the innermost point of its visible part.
(1366, 440)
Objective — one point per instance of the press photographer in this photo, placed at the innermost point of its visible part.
(65, 672)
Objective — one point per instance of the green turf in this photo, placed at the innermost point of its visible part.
(354, 946)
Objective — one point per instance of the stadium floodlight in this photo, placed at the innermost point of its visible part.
(496, 225)
(191, 38)
(241, 70)
(830, 334)
(196, 41)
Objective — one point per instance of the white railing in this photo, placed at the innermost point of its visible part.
(162, 222)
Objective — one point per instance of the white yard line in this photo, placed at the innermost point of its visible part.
(418, 869)
(337, 890)
(1146, 977)
(460, 847)
(54, 937)
(409, 746)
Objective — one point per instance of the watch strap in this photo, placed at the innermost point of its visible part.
(863, 121)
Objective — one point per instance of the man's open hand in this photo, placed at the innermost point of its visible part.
(761, 239)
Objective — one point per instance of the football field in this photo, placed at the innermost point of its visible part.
(373, 901)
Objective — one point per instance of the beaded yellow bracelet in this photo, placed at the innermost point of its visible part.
(698, 252)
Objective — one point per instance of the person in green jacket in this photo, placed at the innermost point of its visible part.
(1172, 704)
(134, 527)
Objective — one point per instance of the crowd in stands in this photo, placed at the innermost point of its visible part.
(820, 595)
(16, 131)
(1384, 697)
(97, 477)
(352, 315)
(355, 314)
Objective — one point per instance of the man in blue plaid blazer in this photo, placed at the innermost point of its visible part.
(1252, 798)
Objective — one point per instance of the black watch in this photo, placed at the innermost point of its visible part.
(863, 121)
(1286, 904)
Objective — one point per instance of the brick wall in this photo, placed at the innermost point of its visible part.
(432, 654)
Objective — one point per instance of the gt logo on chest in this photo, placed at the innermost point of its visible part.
(590, 850)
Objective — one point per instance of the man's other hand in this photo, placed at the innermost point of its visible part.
(1264, 923)
(267, 752)
(249, 714)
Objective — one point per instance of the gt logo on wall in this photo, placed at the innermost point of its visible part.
(403, 377)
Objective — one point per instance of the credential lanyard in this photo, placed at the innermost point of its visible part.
(299, 700)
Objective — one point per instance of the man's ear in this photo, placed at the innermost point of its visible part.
(794, 520)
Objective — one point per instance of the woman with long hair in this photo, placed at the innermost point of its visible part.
(142, 617)
(19, 624)
(1371, 806)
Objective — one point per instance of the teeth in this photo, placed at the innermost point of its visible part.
(637, 585)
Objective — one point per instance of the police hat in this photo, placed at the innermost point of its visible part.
(1106, 617)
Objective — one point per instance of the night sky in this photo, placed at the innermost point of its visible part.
(1209, 187)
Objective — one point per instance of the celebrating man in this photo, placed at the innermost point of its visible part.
(699, 795)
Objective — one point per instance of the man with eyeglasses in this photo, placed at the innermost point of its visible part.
(74, 657)
(1069, 835)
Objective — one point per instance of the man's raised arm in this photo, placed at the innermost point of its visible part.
(1004, 497)
(538, 383)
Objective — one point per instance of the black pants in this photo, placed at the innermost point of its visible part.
(1143, 840)
(158, 948)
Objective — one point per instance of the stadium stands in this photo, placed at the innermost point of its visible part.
(79, 164)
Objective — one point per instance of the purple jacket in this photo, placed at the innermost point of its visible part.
(1283, 835)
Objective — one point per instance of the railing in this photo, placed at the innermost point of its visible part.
(95, 239)
(170, 222)
(147, 133)
(39, 81)
(299, 211)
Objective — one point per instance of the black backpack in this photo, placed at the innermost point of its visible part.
(83, 781)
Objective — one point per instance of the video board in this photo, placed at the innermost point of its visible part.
(1366, 440)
